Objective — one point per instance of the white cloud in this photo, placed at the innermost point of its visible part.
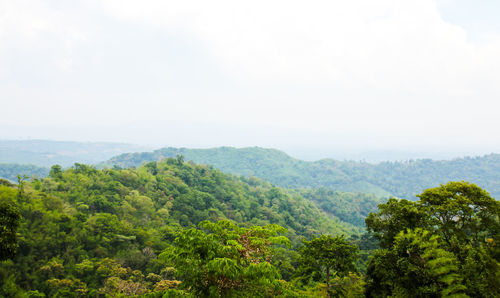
(397, 65)
(359, 43)
(386, 68)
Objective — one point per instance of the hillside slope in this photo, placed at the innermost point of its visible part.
(401, 179)
(89, 225)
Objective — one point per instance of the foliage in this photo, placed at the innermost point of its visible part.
(329, 256)
(415, 266)
(393, 217)
(402, 179)
(89, 232)
(463, 213)
(349, 207)
(444, 244)
(9, 222)
(174, 228)
(223, 260)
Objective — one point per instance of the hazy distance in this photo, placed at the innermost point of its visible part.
(374, 80)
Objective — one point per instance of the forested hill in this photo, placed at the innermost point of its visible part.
(400, 179)
(179, 193)
(84, 232)
(82, 218)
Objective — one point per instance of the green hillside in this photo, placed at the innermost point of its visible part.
(348, 207)
(83, 217)
(400, 179)
(177, 229)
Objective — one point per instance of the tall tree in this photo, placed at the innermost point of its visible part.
(333, 256)
(221, 259)
(9, 222)
(464, 222)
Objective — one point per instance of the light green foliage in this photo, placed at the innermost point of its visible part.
(222, 259)
(351, 286)
(84, 228)
(400, 179)
(174, 228)
(464, 213)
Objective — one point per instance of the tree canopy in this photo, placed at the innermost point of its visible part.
(223, 260)
(444, 244)
(9, 222)
(328, 256)
(174, 228)
(85, 232)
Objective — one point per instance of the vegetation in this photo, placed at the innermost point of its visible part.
(349, 207)
(445, 244)
(399, 179)
(9, 222)
(177, 229)
(222, 259)
(88, 232)
(329, 256)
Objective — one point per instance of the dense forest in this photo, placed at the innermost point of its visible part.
(399, 179)
(249, 149)
(126, 216)
(402, 179)
(174, 228)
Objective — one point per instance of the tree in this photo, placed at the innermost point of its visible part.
(464, 222)
(56, 172)
(333, 256)
(221, 259)
(416, 265)
(462, 212)
(9, 222)
(394, 217)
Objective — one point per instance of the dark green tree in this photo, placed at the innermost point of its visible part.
(9, 222)
(328, 256)
(416, 265)
(464, 222)
(56, 172)
(394, 217)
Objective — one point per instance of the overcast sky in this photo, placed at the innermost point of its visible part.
(304, 76)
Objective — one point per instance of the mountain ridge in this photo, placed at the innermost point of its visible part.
(45, 153)
(401, 179)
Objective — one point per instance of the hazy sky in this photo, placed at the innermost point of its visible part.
(318, 76)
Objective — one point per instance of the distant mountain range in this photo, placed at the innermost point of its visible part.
(400, 179)
(10, 171)
(45, 153)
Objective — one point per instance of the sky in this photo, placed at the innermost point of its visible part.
(314, 78)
